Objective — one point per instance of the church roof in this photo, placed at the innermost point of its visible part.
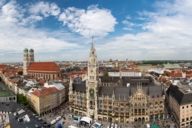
(44, 66)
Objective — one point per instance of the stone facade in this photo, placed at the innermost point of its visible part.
(110, 99)
(46, 99)
(180, 105)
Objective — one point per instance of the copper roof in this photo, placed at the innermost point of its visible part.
(45, 91)
(43, 67)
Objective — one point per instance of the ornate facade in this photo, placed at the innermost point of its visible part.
(116, 99)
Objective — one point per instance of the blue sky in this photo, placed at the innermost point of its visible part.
(126, 29)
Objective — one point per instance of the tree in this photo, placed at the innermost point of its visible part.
(22, 99)
(20, 72)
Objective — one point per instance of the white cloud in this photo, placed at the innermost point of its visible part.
(91, 22)
(167, 35)
(44, 9)
(11, 12)
(128, 25)
(15, 35)
(2, 2)
(167, 32)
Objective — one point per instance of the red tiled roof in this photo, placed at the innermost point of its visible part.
(174, 73)
(189, 73)
(45, 91)
(2, 67)
(43, 66)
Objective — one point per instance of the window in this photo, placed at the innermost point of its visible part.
(183, 120)
(183, 107)
(187, 119)
(91, 77)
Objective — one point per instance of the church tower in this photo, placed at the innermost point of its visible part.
(31, 56)
(28, 57)
(25, 61)
(91, 84)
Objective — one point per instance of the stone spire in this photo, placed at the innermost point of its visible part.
(92, 63)
(91, 83)
(25, 61)
(92, 51)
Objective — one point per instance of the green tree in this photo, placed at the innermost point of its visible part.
(22, 99)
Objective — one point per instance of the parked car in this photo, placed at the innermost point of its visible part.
(97, 125)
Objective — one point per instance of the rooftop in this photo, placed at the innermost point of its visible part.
(182, 95)
(45, 91)
(121, 91)
(44, 66)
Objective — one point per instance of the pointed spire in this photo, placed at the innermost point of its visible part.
(92, 51)
(92, 43)
(139, 87)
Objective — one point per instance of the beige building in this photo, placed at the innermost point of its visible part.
(46, 99)
(121, 99)
(180, 105)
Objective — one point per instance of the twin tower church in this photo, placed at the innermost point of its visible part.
(110, 99)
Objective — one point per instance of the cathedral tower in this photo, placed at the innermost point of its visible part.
(25, 61)
(91, 85)
(28, 57)
(31, 56)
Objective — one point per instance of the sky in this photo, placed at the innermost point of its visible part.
(62, 30)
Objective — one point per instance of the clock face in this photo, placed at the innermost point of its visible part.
(91, 93)
(93, 60)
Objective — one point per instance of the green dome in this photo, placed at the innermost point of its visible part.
(31, 50)
(25, 50)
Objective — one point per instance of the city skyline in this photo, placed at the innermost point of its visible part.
(62, 29)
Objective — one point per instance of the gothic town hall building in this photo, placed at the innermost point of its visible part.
(116, 99)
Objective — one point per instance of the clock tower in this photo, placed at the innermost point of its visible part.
(91, 85)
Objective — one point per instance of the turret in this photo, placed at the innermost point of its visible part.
(92, 64)
(31, 55)
(28, 57)
(25, 61)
